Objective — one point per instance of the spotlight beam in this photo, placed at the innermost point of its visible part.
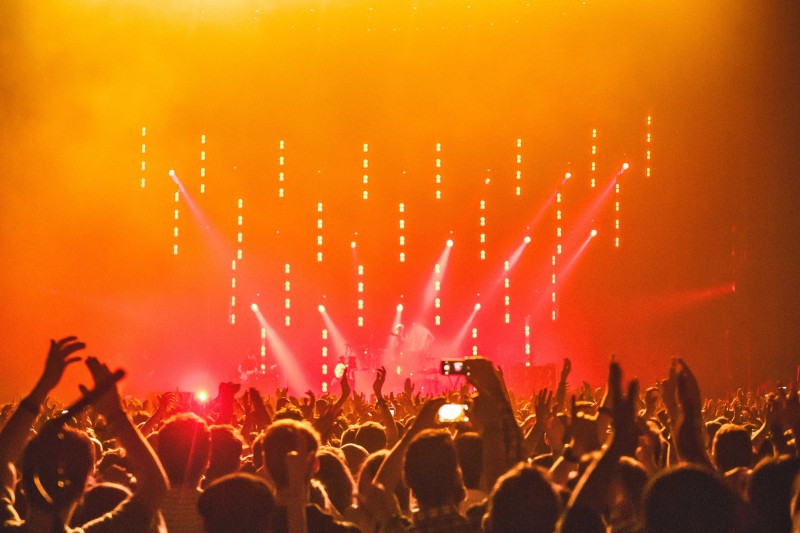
(284, 357)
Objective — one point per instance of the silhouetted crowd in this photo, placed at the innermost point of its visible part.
(581, 460)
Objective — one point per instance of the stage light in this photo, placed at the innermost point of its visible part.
(321, 308)
(477, 307)
(399, 308)
(171, 173)
(625, 166)
(593, 233)
(202, 396)
(568, 175)
(527, 239)
(254, 307)
(353, 244)
(449, 243)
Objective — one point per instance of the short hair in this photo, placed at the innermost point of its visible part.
(98, 500)
(55, 466)
(184, 447)
(336, 478)
(372, 436)
(288, 412)
(431, 469)
(226, 451)
(470, 457)
(770, 492)
(689, 499)
(355, 456)
(237, 502)
(522, 500)
(280, 439)
(732, 448)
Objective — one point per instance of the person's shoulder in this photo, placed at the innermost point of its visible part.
(319, 520)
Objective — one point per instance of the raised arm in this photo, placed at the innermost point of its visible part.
(390, 472)
(592, 490)
(142, 460)
(16, 432)
(383, 407)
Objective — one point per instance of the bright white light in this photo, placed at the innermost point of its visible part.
(254, 307)
(202, 396)
(478, 307)
(527, 239)
(353, 244)
(568, 175)
(399, 308)
(171, 173)
(321, 308)
(593, 233)
(625, 166)
(449, 243)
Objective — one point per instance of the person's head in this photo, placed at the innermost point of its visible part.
(288, 412)
(369, 468)
(226, 451)
(235, 503)
(470, 457)
(630, 479)
(371, 436)
(770, 492)
(55, 466)
(431, 469)
(355, 456)
(732, 448)
(98, 500)
(184, 447)
(689, 499)
(522, 500)
(336, 478)
(286, 436)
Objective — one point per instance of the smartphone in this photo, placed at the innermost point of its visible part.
(453, 366)
(453, 412)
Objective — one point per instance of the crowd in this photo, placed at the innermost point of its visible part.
(587, 460)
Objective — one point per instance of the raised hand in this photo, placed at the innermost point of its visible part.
(59, 357)
(408, 388)
(688, 389)
(544, 399)
(108, 404)
(566, 369)
(377, 385)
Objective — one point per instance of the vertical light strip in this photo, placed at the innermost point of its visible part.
(648, 146)
(177, 218)
(287, 288)
(506, 295)
(518, 176)
(482, 224)
(438, 171)
(360, 295)
(402, 237)
(203, 163)
(319, 232)
(144, 152)
(594, 159)
(281, 170)
(365, 176)
(236, 260)
(324, 350)
(527, 341)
